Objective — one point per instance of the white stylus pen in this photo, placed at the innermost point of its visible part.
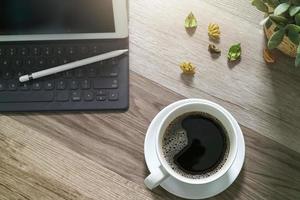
(72, 65)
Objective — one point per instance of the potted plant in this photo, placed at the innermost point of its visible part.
(282, 25)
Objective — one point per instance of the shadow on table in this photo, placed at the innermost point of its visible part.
(285, 84)
(191, 31)
(215, 41)
(188, 80)
(232, 64)
(215, 56)
(284, 100)
(232, 193)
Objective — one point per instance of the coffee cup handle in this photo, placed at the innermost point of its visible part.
(156, 178)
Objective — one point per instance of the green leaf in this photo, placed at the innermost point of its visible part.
(275, 2)
(260, 5)
(293, 34)
(279, 19)
(297, 61)
(282, 8)
(235, 52)
(190, 21)
(296, 2)
(272, 3)
(295, 27)
(276, 39)
(297, 19)
(294, 10)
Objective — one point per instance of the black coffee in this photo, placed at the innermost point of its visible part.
(195, 145)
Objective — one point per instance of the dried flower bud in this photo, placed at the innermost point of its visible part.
(213, 49)
(188, 68)
(214, 31)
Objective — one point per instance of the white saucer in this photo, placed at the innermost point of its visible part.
(179, 188)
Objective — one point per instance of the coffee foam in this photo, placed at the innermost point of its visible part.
(175, 139)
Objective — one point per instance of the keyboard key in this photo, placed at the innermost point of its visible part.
(106, 83)
(62, 96)
(4, 63)
(17, 63)
(75, 96)
(86, 84)
(49, 85)
(24, 86)
(114, 61)
(92, 72)
(113, 73)
(46, 51)
(2, 86)
(20, 73)
(74, 84)
(37, 86)
(35, 51)
(71, 50)
(23, 51)
(69, 74)
(79, 73)
(41, 62)
(61, 85)
(109, 71)
(63, 61)
(15, 97)
(95, 49)
(88, 96)
(11, 51)
(100, 92)
(52, 62)
(100, 98)
(113, 96)
(59, 51)
(115, 81)
(12, 86)
(8, 75)
(29, 62)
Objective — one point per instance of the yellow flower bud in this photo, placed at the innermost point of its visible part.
(214, 31)
(188, 68)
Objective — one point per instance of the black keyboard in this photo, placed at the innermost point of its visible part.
(98, 86)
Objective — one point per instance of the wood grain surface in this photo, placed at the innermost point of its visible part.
(92, 155)
(56, 156)
(263, 98)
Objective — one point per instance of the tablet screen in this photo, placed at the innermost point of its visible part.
(21, 17)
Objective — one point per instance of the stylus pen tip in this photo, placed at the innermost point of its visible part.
(23, 79)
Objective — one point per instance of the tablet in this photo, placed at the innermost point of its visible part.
(29, 20)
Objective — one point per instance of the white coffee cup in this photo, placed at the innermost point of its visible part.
(164, 170)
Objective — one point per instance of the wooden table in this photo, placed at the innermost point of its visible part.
(100, 156)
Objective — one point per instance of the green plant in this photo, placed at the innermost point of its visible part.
(285, 14)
